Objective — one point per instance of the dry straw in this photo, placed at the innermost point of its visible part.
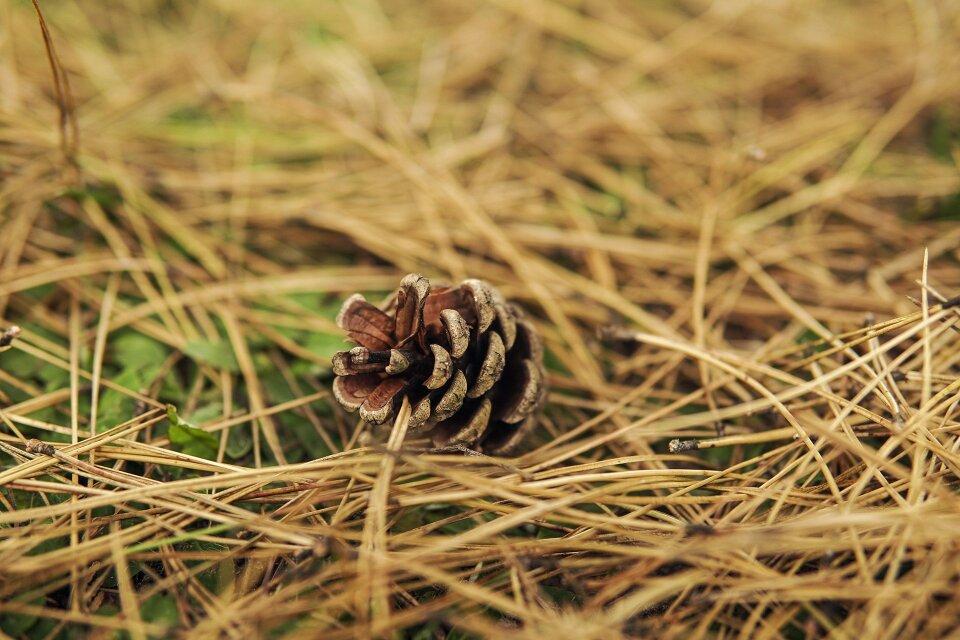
(735, 225)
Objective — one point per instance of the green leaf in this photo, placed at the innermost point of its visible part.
(217, 354)
(117, 407)
(946, 208)
(211, 577)
(44, 628)
(105, 194)
(112, 580)
(54, 377)
(206, 413)
(16, 624)
(325, 344)
(48, 545)
(553, 363)
(139, 359)
(193, 441)
(160, 608)
(286, 627)
(809, 336)
(409, 519)
(944, 135)
(305, 434)
(559, 595)
(137, 351)
(239, 442)
(428, 631)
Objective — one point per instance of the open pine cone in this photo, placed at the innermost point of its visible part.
(470, 364)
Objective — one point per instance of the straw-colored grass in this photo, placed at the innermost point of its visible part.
(735, 224)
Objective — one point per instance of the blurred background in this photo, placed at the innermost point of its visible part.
(586, 140)
(606, 163)
(188, 196)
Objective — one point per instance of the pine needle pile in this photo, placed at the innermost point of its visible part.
(735, 226)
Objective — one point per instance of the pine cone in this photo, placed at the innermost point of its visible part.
(470, 364)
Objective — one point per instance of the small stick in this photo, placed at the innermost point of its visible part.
(47, 449)
(679, 446)
(37, 446)
(9, 335)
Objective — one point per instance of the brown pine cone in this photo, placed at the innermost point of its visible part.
(469, 362)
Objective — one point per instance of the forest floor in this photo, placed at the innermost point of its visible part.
(735, 224)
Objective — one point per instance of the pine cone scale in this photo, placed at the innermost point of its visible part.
(365, 324)
(452, 398)
(458, 331)
(378, 406)
(410, 302)
(526, 393)
(467, 427)
(454, 299)
(468, 361)
(508, 325)
(491, 368)
(352, 390)
(442, 368)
